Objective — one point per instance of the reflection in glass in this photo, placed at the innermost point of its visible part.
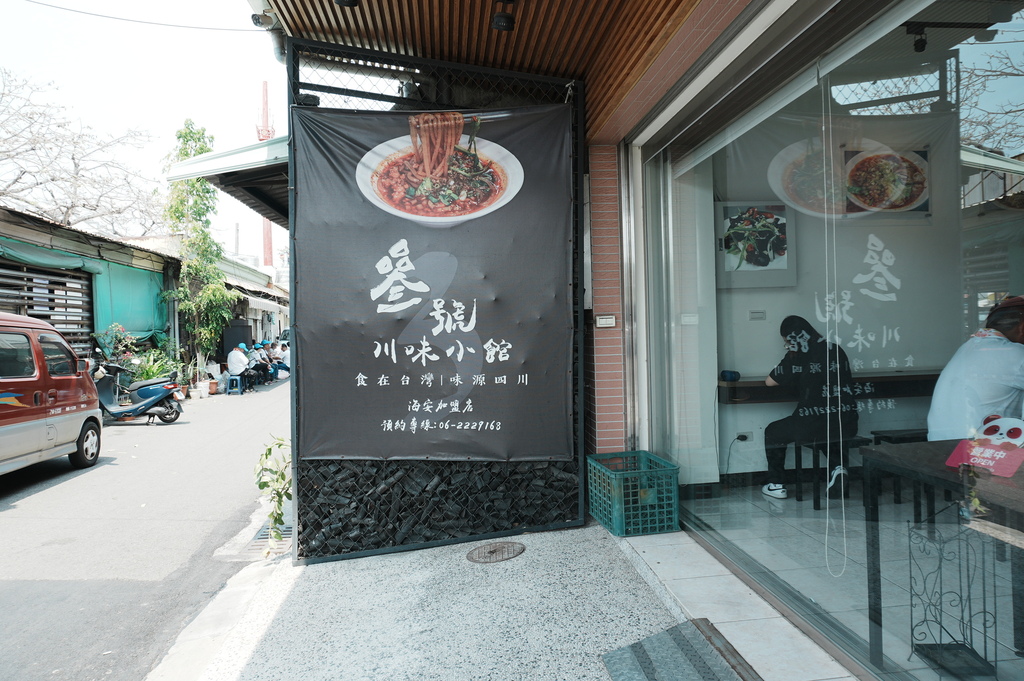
(900, 175)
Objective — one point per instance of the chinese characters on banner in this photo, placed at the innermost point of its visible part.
(878, 280)
(432, 297)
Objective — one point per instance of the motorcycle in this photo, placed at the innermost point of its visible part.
(157, 397)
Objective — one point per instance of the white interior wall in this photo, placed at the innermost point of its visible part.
(918, 330)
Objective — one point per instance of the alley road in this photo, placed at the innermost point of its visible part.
(101, 569)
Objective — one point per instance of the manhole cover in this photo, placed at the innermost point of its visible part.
(495, 552)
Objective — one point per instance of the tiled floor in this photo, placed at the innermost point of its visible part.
(822, 555)
(703, 587)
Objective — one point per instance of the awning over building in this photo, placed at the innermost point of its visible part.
(266, 298)
(265, 305)
(986, 160)
(256, 175)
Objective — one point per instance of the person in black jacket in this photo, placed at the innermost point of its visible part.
(826, 411)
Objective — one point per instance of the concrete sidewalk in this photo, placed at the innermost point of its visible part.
(548, 614)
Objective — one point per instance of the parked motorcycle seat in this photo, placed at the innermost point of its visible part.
(153, 381)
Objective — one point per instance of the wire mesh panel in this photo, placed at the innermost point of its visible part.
(905, 90)
(350, 507)
(360, 507)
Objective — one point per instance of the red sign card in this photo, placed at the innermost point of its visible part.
(1002, 458)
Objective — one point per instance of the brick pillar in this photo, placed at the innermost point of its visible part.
(605, 422)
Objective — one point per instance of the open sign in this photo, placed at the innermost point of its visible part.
(997, 449)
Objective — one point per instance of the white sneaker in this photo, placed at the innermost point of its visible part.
(837, 482)
(773, 490)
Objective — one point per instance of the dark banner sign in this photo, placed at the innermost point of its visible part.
(432, 284)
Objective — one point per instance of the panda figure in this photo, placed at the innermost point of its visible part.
(1005, 433)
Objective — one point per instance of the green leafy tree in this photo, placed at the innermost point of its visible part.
(204, 302)
(190, 202)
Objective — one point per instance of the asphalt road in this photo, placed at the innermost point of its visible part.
(101, 569)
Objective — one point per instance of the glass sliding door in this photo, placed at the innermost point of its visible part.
(809, 273)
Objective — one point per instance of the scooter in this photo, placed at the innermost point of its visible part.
(159, 397)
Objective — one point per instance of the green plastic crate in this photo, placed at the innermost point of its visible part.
(633, 493)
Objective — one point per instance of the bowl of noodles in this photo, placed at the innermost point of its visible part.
(437, 176)
(809, 178)
(885, 180)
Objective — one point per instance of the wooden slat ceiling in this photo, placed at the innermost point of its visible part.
(608, 44)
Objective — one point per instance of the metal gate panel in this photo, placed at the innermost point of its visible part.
(61, 297)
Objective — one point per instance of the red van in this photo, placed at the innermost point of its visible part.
(48, 401)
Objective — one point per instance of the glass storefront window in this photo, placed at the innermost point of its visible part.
(884, 207)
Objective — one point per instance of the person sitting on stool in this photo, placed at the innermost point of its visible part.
(825, 411)
(258, 366)
(238, 365)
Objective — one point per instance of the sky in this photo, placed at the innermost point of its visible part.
(115, 69)
(118, 74)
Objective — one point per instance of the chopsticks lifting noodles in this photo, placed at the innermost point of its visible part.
(434, 136)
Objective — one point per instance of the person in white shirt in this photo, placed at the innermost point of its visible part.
(264, 350)
(283, 356)
(985, 377)
(238, 365)
(259, 366)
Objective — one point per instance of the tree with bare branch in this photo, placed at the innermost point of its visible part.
(986, 89)
(994, 121)
(63, 171)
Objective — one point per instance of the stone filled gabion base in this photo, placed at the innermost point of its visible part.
(356, 506)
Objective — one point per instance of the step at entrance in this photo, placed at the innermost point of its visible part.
(691, 651)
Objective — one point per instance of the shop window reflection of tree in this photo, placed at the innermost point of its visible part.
(998, 126)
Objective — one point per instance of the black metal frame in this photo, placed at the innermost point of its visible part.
(317, 539)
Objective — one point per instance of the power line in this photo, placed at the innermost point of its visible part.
(140, 21)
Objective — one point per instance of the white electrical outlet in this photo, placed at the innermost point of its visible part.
(744, 437)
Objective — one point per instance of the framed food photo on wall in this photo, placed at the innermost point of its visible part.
(884, 181)
(857, 178)
(754, 243)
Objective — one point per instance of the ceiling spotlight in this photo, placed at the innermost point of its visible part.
(347, 3)
(920, 43)
(503, 21)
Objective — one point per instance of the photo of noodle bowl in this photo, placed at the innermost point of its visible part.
(439, 176)
(886, 180)
(811, 181)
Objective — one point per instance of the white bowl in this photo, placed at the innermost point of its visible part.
(368, 173)
(782, 164)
